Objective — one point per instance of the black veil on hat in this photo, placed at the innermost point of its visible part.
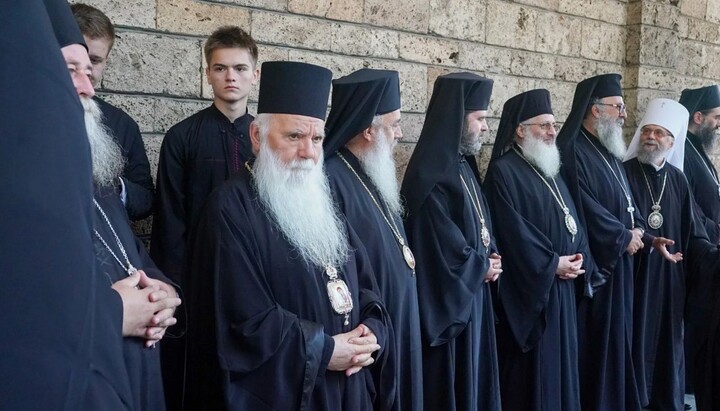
(516, 110)
(356, 99)
(290, 87)
(700, 99)
(64, 25)
(435, 158)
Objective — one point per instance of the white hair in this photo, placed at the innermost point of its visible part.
(379, 165)
(544, 156)
(298, 199)
(107, 158)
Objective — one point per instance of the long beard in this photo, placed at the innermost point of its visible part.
(708, 137)
(546, 157)
(107, 159)
(610, 135)
(299, 201)
(379, 165)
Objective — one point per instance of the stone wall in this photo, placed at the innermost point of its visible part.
(155, 71)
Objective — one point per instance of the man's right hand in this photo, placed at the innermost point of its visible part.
(636, 241)
(353, 350)
(570, 266)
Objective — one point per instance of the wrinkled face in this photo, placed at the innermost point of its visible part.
(78, 63)
(231, 73)
(612, 108)
(292, 137)
(389, 127)
(656, 140)
(98, 50)
(541, 127)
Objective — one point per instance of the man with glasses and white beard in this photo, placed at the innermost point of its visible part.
(654, 169)
(592, 147)
(270, 324)
(363, 128)
(545, 249)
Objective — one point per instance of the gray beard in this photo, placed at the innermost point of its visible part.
(470, 143)
(611, 136)
(297, 197)
(379, 165)
(107, 158)
(653, 157)
(545, 157)
(708, 137)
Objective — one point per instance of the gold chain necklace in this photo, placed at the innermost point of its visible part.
(570, 223)
(406, 252)
(630, 209)
(484, 232)
(655, 219)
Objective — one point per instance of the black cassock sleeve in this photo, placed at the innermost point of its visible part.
(450, 271)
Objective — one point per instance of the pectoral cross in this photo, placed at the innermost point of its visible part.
(631, 210)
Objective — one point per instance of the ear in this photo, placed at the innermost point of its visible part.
(256, 75)
(368, 134)
(697, 118)
(520, 132)
(255, 137)
(595, 110)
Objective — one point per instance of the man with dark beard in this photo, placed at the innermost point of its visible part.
(449, 229)
(268, 327)
(654, 169)
(121, 262)
(592, 146)
(703, 104)
(363, 127)
(545, 249)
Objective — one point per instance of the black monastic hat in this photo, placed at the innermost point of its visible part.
(290, 87)
(516, 110)
(356, 99)
(435, 158)
(700, 99)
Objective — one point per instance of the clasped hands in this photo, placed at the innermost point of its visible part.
(353, 350)
(148, 307)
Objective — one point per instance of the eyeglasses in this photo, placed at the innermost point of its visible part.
(620, 107)
(657, 132)
(546, 126)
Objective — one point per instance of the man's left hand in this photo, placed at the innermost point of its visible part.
(661, 243)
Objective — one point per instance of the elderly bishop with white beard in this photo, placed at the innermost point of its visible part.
(363, 128)
(545, 252)
(654, 169)
(284, 312)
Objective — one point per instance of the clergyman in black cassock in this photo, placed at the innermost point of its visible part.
(51, 303)
(201, 152)
(544, 249)
(449, 228)
(703, 105)
(600, 190)
(362, 129)
(269, 313)
(654, 168)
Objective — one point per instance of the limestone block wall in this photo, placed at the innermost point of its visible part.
(155, 70)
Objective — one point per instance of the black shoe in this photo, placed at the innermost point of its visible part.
(688, 407)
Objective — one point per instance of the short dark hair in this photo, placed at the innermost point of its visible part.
(230, 37)
(93, 22)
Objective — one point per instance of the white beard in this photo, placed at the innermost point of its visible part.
(379, 165)
(107, 159)
(646, 155)
(610, 134)
(546, 157)
(298, 199)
